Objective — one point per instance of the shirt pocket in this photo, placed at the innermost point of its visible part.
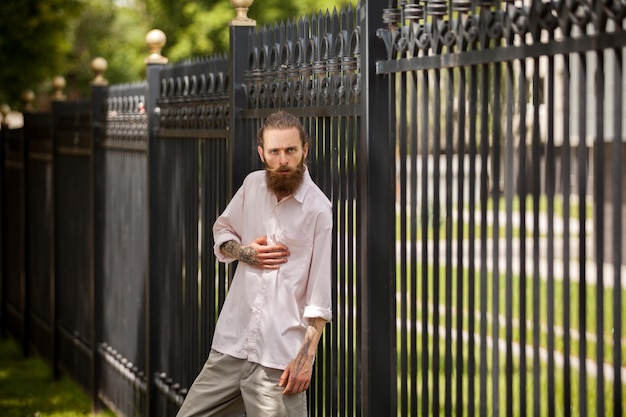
(299, 259)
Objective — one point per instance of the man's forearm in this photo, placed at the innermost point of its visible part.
(241, 253)
(309, 344)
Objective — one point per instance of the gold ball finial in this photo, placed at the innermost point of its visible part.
(155, 39)
(99, 65)
(58, 84)
(28, 96)
(242, 19)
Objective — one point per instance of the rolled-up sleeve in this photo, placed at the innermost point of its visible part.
(227, 226)
(319, 295)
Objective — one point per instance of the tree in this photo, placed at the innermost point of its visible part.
(34, 43)
(200, 28)
(114, 32)
(40, 39)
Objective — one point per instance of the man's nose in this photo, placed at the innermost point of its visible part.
(282, 158)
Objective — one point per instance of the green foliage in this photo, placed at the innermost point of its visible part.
(34, 43)
(200, 28)
(28, 389)
(113, 32)
(40, 39)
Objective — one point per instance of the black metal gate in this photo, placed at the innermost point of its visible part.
(509, 296)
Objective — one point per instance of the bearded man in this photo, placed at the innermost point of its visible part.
(279, 227)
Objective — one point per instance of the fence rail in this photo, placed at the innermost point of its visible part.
(473, 154)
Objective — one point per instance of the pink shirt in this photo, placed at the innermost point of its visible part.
(265, 314)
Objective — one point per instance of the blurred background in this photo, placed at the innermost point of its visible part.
(41, 39)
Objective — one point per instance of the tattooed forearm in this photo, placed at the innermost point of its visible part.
(297, 376)
(242, 253)
(304, 354)
(309, 344)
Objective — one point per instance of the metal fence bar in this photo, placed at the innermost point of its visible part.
(74, 241)
(14, 274)
(39, 231)
(582, 222)
(3, 219)
(425, 244)
(509, 190)
(599, 222)
(618, 227)
(567, 195)
(377, 213)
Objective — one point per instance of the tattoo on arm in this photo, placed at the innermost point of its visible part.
(311, 336)
(242, 253)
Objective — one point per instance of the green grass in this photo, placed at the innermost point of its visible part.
(27, 388)
(557, 203)
(411, 275)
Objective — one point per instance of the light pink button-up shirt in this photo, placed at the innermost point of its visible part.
(265, 314)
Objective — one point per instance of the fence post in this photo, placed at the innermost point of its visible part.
(240, 29)
(155, 39)
(99, 94)
(26, 283)
(4, 109)
(28, 97)
(377, 234)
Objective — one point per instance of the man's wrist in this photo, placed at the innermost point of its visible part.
(248, 255)
(244, 254)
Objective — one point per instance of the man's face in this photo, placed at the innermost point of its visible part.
(283, 156)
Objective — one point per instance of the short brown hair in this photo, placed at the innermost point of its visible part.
(282, 120)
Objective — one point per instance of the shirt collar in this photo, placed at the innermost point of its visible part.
(304, 186)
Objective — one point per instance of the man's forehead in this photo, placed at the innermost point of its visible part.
(281, 138)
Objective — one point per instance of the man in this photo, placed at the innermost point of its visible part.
(279, 227)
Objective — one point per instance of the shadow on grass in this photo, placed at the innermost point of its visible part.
(27, 388)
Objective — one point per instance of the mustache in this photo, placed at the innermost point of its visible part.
(279, 169)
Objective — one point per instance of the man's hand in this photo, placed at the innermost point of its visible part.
(257, 253)
(297, 376)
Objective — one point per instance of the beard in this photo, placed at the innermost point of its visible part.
(281, 184)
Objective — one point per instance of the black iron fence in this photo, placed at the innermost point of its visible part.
(473, 155)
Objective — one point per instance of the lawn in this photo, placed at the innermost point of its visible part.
(534, 305)
(28, 389)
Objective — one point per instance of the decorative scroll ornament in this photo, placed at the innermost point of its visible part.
(428, 27)
(312, 62)
(195, 96)
(127, 122)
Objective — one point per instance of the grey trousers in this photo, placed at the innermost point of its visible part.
(231, 387)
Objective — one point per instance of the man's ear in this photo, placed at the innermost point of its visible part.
(260, 150)
(305, 149)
